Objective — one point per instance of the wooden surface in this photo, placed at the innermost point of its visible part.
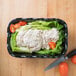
(10, 9)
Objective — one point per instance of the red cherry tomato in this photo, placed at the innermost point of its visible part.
(63, 69)
(12, 29)
(52, 45)
(73, 59)
(22, 23)
(17, 25)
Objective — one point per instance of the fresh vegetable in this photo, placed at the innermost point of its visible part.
(73, 59)
(45, 51)
(12, 29)
(22, 23)
(46, 24)
(17, 25)
(39, 22)
(63, 69)
(43, 25)
(52, 45)
(13, 40)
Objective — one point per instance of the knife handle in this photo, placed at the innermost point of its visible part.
(72, 53)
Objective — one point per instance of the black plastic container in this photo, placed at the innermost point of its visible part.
(34, 55)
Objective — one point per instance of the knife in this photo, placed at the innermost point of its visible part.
(61, 59)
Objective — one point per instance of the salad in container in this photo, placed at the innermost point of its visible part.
(37, 37)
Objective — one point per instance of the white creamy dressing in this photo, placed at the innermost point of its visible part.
(37, 39)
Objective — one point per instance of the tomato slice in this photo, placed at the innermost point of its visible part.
(22, 23)
(52, 45)
(12, 29)
(17, 25)
(73, 59)
(63, 69)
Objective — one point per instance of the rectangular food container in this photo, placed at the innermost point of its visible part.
(34, 55)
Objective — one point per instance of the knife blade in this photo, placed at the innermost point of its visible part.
(61, 59)
(55, 63)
